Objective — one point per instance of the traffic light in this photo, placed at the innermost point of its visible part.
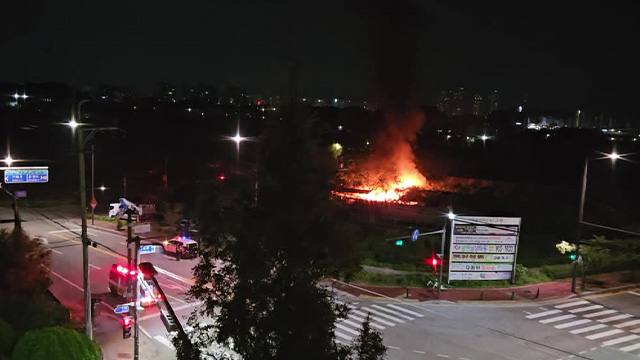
(573, 256)
(435, 261)
(399, 242)
(126, 327)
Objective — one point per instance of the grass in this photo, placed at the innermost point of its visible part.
(408, 280)
(102, 218)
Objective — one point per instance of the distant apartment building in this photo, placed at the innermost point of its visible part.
(477, 105)
(166, 92)
(493, 101)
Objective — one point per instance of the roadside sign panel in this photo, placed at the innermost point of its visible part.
(415, 234)
(20, 194)
(147, 249)
(121, 309)
(483, 248)
(22, 176)
(142, 228)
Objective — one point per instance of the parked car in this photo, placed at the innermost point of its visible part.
(181, 246)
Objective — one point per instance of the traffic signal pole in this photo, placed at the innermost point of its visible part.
(442, 241)
(136, 333)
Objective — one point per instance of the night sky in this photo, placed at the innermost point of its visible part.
(564, 58)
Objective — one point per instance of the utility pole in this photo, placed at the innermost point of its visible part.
(442, 241)
(124, 185)
(583, 191)
(136, 332)
(17, 225)
(83, 236)
(93, 178)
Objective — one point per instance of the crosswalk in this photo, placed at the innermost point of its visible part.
(382, 316)
(595, 322)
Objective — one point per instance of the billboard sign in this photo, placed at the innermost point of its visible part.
(22, 176)
(483, 248)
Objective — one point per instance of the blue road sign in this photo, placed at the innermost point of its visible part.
(20, 194)
(121, 309)
(415, 234)
(147, 249)
(21, 176)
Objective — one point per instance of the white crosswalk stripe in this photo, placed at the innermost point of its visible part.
(571, 304)
(346, 337)
(405, 310)
(392, 312)
(604, 334)
(545, 313)
(628, 323)
(354, 324)
(587, 329)
(586, 308)
(164, 341)
(636, 331)
(620, 340)
(350, 306)
(573, 323)
(615, 318)
(600, 313)
(630, 347)
(383, 315)
(342, 327)
(557, 318)
(377, 319)
(380, 327)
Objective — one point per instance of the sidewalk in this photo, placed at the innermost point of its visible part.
(536, 292)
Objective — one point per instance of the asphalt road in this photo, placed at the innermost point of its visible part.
(601, 327)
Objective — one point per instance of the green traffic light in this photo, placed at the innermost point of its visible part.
(573, 256)
(399, 242)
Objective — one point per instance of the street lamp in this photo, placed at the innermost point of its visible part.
(613, 157)
(102, 188)
(8, 160)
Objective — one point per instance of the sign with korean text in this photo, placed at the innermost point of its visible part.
(483, 248)
(25, 175)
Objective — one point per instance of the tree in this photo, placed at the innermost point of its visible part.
(368, 345)
(261, 265)
(56, 343)
(6, 338)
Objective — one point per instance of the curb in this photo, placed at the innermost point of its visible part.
(601, 291)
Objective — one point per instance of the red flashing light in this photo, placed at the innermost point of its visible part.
(221, 177)
(132, 272)
(434, 262)
(259, 102)
(127, 321)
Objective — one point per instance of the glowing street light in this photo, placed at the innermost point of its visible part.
(451, 215)
(8, 160)
(484, 137)
(102, 188)
(237, 138)
(72, 124)
(613, 156)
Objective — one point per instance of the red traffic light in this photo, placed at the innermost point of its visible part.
(434, 261)
(221, 177)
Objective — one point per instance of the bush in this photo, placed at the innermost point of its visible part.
(119, 224)
(6, 338)
(559, 271)
(56, 343)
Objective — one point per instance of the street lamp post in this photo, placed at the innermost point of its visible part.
(83, 210)
(93, 177)
(583, 192)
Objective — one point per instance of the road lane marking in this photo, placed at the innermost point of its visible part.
(582, 352)
(620, 340)
(380, 327)
(145, 332)
(463, 358)
(604, 334)
(56, 251)
(630, 347)
(164, 341)
(418, 351)
(66, 280)
(92, 248)
(172, 275)
(375, 318)
(587, 329)
(176, 299)
(66, 230)
(383, 315)
(571, 304)
(557, 318)
(593, 349)
(405, 310)
(188, 305)
(545, 313)
(393, 347)
(634, 293)
(614, 318)
(346, 337)
(636, 331)
(586, 308)
(600, 313)
(342, 327)
(443, 356)
(123, 243)
(573, 323)
(95, 267)
(392, 312)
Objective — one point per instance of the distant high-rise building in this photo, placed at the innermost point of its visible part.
(458, 102)
(477, 105)
(444, 101)
(493, 101)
